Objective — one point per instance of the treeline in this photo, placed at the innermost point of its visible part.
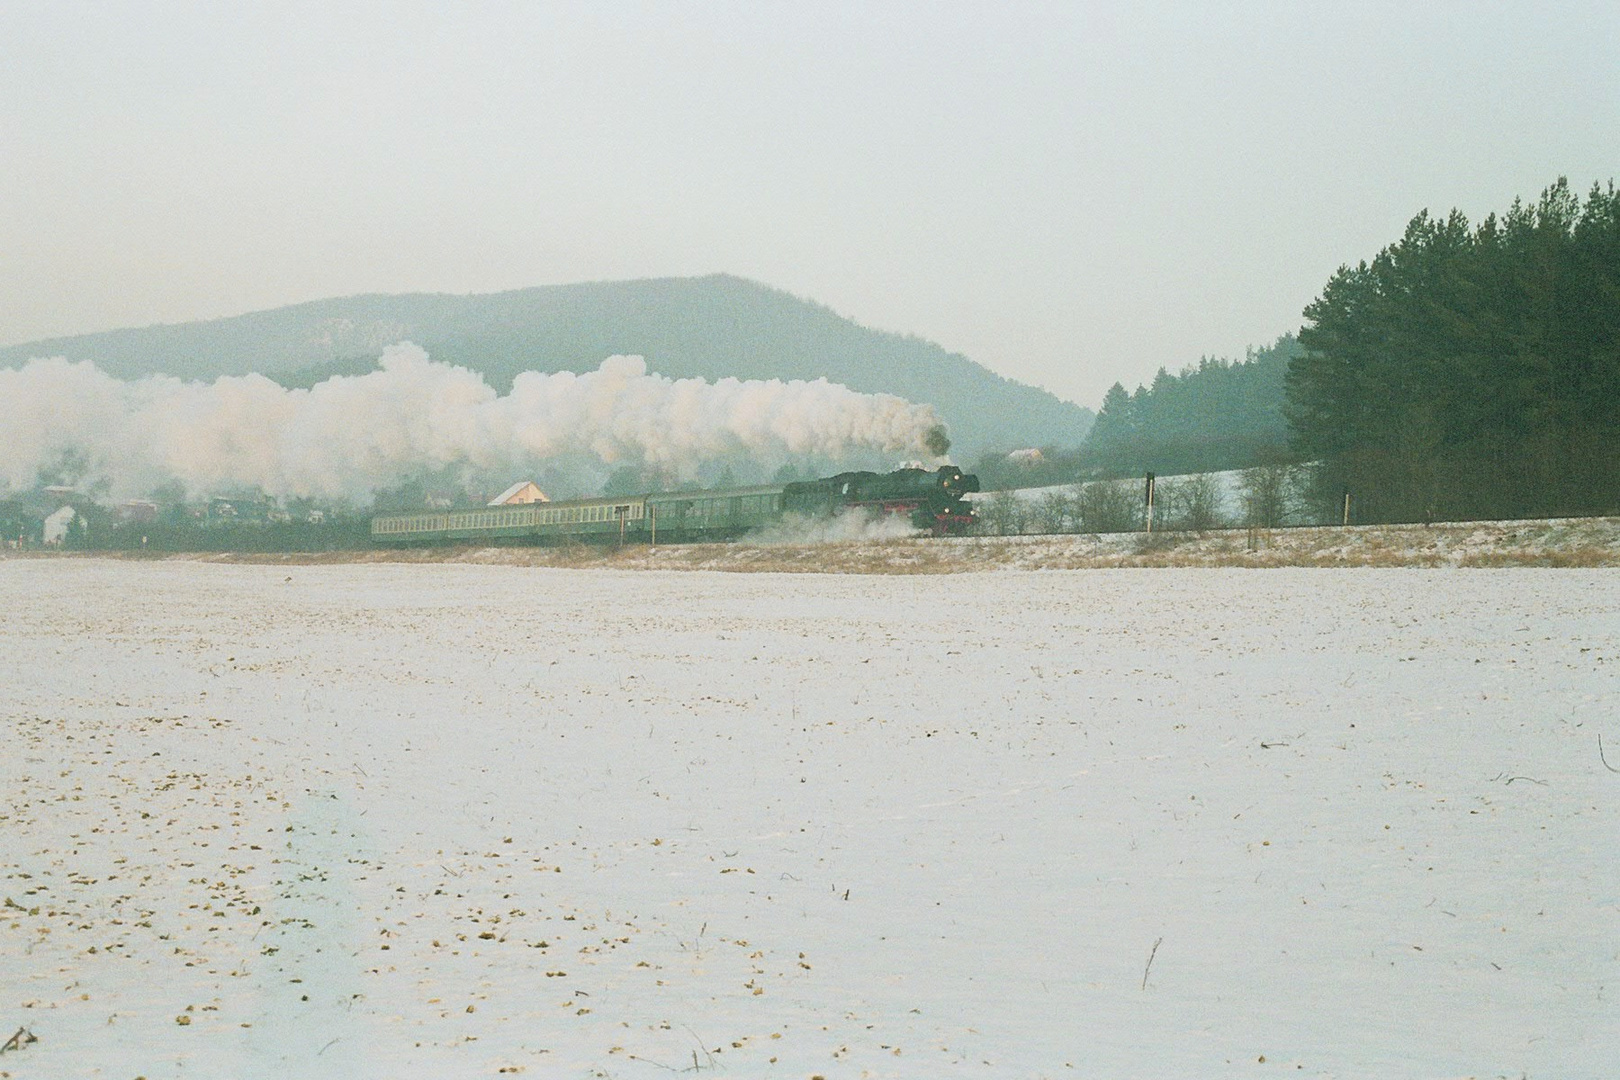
(1214, 416)
(1471, 372)
(1219, 415)
(1465, 372)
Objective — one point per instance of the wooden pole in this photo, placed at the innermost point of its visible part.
(1347, 509)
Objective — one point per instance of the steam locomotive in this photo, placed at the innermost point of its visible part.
(932, 501)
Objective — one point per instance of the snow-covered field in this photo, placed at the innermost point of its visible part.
(384, 820)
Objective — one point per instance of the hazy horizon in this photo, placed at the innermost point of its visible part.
(1070, 196)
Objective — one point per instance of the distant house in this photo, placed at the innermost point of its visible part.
(56, 525)
(136, 510)
(524, 491)
(247, 508)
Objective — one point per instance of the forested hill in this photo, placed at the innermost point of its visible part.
(1218, 415)
(708, 327)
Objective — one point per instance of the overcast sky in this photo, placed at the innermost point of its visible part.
(1070, 194)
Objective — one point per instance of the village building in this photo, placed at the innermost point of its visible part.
(524, 491)
(57, 523)
(137, 511)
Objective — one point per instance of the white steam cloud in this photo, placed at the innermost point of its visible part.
(859, 524)
(351, 436)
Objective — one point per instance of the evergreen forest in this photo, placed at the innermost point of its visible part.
(1465, 372)
(1470, 371)
(1221, 414)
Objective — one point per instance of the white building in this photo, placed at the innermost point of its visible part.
(56, 525)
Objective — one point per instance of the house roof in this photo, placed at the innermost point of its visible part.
(516, 489)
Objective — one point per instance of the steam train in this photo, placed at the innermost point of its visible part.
(932, 501)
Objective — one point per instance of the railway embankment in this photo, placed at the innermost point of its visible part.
(1557, 542)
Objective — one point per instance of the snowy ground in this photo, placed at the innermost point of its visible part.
(454, 820)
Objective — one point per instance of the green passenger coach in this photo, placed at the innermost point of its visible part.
(673, 517)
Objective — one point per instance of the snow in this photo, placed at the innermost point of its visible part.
(1229, 505)
(364, 821)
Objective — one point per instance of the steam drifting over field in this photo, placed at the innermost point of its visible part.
(348, 437)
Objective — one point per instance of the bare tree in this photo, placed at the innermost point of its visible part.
(1271, 494)
(1002, 514)
(1056, 512)
(1192, 502)
(1111, 506)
